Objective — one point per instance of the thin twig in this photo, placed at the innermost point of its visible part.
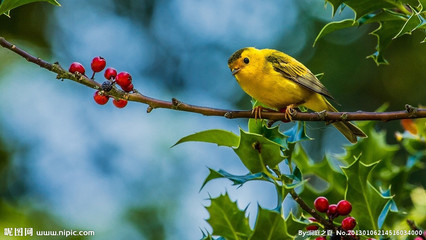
(327, 224)
(410, 112)
(415, 228)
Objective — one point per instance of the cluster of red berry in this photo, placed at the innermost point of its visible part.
(123, 79)
(342, 208)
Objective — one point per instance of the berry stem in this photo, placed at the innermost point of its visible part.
(304, 206)
(415, 228)
(93, 75)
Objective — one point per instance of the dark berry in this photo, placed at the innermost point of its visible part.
(312, 219)
(321, 238)
(110, 73)
(123, 79)
(332, 211)
(312, 227)
(98, 64)
(106, 86)
(127, 88)
(100, 99)
(348, 223)
(120, 103)
(77, 67)
(344, 207)
(321, 204)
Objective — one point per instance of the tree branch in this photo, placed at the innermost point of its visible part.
(409, 112)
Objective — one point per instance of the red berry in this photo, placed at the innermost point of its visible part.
(321, 238)
(312, 219)
(123, 79)
(120, 103)
(312, 227)
(98, 64)
(332, 211)
(127, 88)
(344, 207)
(418, 238)
(348, 223)
(77, 67)
(110, 73)
(371, 239)
(100, 99)
(321, 204)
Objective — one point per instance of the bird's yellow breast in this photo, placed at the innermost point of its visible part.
(271, 88)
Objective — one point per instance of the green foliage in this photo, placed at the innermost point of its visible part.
(258, 152)
(237, 180)
(227, 219)
(7, 5)
(367, 202)
(395, 18)
(355, 176)
(218, 136)
(270, 225)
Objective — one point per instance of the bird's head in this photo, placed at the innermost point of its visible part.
(243, 60)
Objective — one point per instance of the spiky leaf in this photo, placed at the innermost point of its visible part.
(367, 202)
(271, 133)
(256, 152)
(227, 220)
(236, 179)
(270, 225)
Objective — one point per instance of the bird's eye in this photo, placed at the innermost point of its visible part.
(246, 60)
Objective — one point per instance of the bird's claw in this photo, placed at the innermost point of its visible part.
(290, 112)
(257, 111)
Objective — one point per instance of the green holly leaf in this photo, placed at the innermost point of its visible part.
(389, 207)
(373, 148)
(414, 22)
(270, 225)
(363, 7)
(271, 133)
(385, 33)
(7, 5)
(256, 152)
(206, 236)
(218, 136)
(227, 220)
(335, 4)
(367, 202)
(393, 17)
(294, 225)
(324, 169)
(334, 26)
(236, 179)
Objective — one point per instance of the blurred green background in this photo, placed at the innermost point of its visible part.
(68, 163)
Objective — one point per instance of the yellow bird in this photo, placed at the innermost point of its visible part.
(281, 82)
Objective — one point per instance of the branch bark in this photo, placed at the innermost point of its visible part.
(174, 104)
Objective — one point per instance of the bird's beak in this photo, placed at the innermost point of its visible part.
(235, 70)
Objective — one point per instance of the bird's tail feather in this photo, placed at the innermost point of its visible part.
(348, 129)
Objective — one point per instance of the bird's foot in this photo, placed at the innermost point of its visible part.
(257, 111)
(289, 112)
